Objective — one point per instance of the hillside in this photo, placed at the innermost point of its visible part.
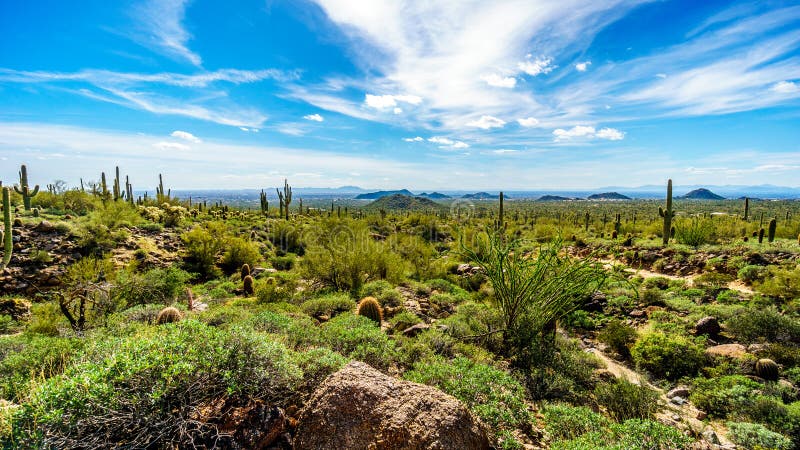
(608, 196)
(434, 195)
(552, 198)
(479, 196)
(702, 194)
(400, 202)
(381, 194)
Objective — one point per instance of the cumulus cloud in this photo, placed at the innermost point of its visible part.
(390, 101)
(186, 136)
(499, 81)
(414, 139)
(313, 117)
(487, 122)
(528, 122)
(582, 66)
(588, 132)
(447, 143)
(786, 87)
(536, 66)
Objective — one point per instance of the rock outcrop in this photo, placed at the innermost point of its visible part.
(360, 407)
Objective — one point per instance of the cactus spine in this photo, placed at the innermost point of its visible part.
(285, 198)
(773, 225)
(8, 241)
(667, 214)
(371, 309)
(24, 190)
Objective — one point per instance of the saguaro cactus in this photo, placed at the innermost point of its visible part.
(500, 224)
(264, 203)
(773, 225)
(746, 208)
(285, 197)
(8, 243)
(117, 188)
(586, 222)
(24, 190)
(667, 214)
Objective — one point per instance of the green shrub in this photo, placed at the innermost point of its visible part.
(7, 324)
(160, 376)
(403, 320)
(722, 395)
(358, 338)
(203, 245)
(632, 434)
(652, 297)
(328, 305)
(25, 360)
(564, 375)
(283, 262)
(624, 400)
(667, 355)
(751, 325)
(239, 252)
(781, 283)
(564, 422)
(694, 232)
(751, 274)
(492, 394)
(382, 290)
(619, 336)
(156, 286)
(755, 436)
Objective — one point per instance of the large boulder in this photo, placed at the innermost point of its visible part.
(359, 407)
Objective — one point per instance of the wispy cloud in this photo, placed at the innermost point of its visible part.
(588, 132)
(186, 136)
(582, 66)
(314, 117)
(159, 26)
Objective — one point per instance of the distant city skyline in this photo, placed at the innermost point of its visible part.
(443, 95)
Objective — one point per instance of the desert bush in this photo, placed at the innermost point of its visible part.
(161, 377)
(158, 286)
(722, 395)
(328, 305)
(619, 336)
(203, 244)
(763, 324)
(751, 274)
(667, 355)
(694, 232)
(285, 262)
(781, 283)
(358, 338)
(564, 375)
(404, 320)
(29, 359)
(382, 290)
(625, 400)
(632, 434)
(564, 422)
(492, 394)
(755, 436)
(239, 252)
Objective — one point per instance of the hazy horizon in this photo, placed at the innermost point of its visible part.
(512, 95)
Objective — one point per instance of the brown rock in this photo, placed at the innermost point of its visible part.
(416, 329)
(707, 325)
(359, 407)
(727, 350)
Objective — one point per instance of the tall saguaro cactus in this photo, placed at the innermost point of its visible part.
(500, 218)
(117, 188)
(264, 203)
(285, 198)
(746, 208)
(24, 190)
(667, 214)
(8, 243)
(773, 225)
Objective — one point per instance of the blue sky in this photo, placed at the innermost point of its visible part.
(505, 94)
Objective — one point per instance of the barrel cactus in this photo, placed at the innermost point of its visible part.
(168, 315)
(370, 308)
(245, 271)
(767, 369)
(247, 283)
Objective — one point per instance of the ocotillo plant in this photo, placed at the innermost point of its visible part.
(746, 208)
(24, 190)
(8, 243)
(773, 225)
(667, 214)
(285, 197)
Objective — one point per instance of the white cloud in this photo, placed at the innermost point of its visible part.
(160, 27)
(588, 132)
(499, 81)
(528, 122)
(249, 130)
(314, 117)
(487, 122)
(390, 101)
(537, 66)
(504, 151)
(447, 143)
(582, 66)
(414, 139)
(292, 129)
(186, 136)
(786, 87)
(661, 75)
(612, 134)
(108, 77)
(171, 146)
(397, 111)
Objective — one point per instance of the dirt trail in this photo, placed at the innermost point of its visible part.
(680, 416)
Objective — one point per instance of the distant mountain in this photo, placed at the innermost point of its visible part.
(400, 202)
(381, 194)
(608, 196)
(479, 196)
(702, 194)
(552, 198)
(434, 195)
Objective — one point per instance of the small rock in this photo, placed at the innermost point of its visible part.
(416, 329)
(678, 400)
(701, 415)
(679, 391)
(711, 436)
(323, 318)
(45, 226)
(637, 314)
(676, 418)
(707, 325)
